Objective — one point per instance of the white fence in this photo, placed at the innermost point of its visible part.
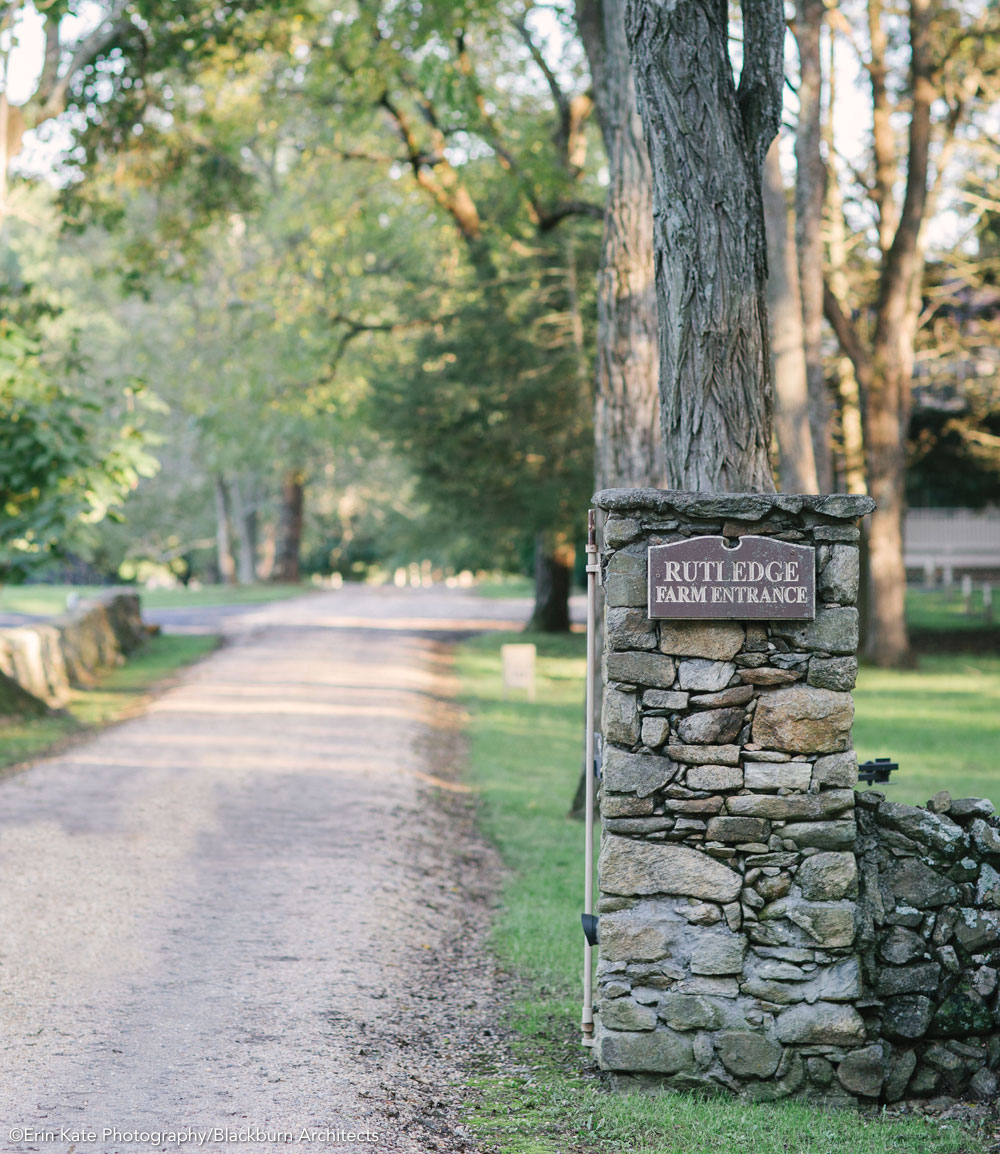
(947, 541)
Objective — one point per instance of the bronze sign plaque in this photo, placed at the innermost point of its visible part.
(757, 578)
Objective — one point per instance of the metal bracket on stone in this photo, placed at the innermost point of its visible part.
(877, 770)
(598, 755)
(589, 928)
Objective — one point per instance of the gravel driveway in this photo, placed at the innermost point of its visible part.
(258, 909)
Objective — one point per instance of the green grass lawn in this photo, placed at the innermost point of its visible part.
(937, 609)
(525, 760)
(48, 600)
(120, 693)
(941, 722)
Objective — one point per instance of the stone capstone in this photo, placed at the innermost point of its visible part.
(747, 1055)
(634, 867)
(801, 719)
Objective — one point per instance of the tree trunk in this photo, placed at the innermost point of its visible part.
(553, 575)
(707, 143)
(628, 445)
(289, 543)
(796, 463)
(227, 567)
(810, 193)
(242, 517)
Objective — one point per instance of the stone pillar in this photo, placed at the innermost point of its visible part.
(727, 873)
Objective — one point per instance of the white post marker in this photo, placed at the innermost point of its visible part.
(518, 668)
(593, 573)
(987, 602)
(967, 592)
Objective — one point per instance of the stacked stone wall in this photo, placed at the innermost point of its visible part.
(52, 657)
(764, 928)
(727, 874)
(929, 941)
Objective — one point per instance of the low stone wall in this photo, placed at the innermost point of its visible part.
(50, 658)
(929, 942)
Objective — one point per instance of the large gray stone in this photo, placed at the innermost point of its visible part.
(705, 676)
(705, 754)
(644, 933)
(629, 629)
(900, 1071)
(836, 769)
(747, 1055)
(916, 884)
(641, 669)
(838, 576)
(933, 829)
(633, 867)
(738, 695)
(717, 952)
(829, 924)
(655, 1052)
(919, 979)
(714, 777)
(639, 773)
(712, 727)
(793, 807)
(718, 640)
(898, 946)
(907, 1016)
(833, 631)
(625, 1014)
(822, 834)
(975, 929)
(774, 775)
(620, 717)
(985, 837)
(625, 582)
(863, 1071)
(689, 1012)
(738, 829)
(664, 699)
(801, 719)
(833, 672)
(822, 1024)
(828, 876)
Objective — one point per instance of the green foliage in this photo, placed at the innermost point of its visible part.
(58, 467)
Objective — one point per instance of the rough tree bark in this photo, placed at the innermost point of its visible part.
(707, 142)
(796, 461)
(289, 539)
(810, 191)
(628, 446)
